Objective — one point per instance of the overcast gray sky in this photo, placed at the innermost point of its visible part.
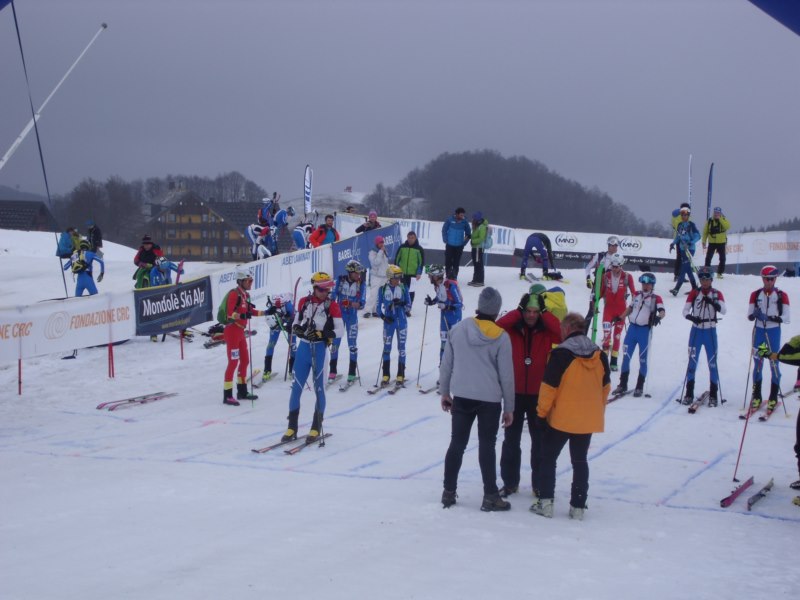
(613, 94)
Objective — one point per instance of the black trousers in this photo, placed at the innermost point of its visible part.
(407, 282)
(511, 454)
(452, 260)
(720, 250)
(552, 444)
(464, 413)
(477, 263)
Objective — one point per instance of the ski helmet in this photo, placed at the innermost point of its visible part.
(84, 245)
(704, 273)
(617, 260)
(277, 302)
(435, 270)
(322, 280)
(354, 267)
(290, 211)
(685, 210)
(717, 210)
(243, 273)
(394, 272)
(612, 240)
(647, 278)
(770, 272)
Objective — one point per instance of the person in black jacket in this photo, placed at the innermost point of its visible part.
(95, 237)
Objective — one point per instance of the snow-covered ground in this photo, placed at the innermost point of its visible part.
(166, 500)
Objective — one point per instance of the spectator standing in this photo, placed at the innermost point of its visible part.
(475, 377)
(95, 237)
(480, 231)
(676, 218)
(456, 233)
(325, 234)
(715, 238)
(370, 224)
(686, 238)
(378, 263)
(144, 260)
(533, 332)
(410, 258)
(572, 404)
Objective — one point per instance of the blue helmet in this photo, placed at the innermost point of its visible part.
(647, 278)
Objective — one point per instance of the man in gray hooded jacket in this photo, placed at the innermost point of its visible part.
(475, 376)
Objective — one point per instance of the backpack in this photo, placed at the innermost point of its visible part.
(64, 248)
(556, 302)
(79, 265)
(222, 311)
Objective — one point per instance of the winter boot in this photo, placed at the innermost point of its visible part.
(576, 513)
(508, 490)
(713, 392)
(448, 499)
(401, 373)
(227, 398)
(639, 391)
(243, 394)
(613, 364)
(316, 428)
(623, 383)
(493, 502)
(291, 431)
(543, 507)
(755, 401)
(688, 396)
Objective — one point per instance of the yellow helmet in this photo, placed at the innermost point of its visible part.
(322, 280)
(394, 272)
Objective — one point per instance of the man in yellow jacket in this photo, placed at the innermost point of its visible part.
(572, 405)
(715, 236)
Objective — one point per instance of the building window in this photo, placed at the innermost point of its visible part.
(204, 234)
(205, 250)
(225, 251)
(171, 218)
(168, 249)
(205, 217)
(225, 234)
(171, 233)
(234, 250)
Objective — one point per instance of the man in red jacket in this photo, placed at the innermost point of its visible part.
(533, 332)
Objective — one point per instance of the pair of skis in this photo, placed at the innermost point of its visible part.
(112, 405)
(218, 339)
(390, 386)
(751, 501)
(762, 417)
(300, 444)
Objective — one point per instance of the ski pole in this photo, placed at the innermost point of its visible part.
(749, 366)
(422, 345)
(689, 364)
(250, 344)
(318, 389)
(775, 374)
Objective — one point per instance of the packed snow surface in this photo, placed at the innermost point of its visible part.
(166, 500)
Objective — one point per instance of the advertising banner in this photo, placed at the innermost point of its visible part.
(358, 247)
(173, 307)
(64, 325)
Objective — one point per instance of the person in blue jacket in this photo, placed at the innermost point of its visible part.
(686, 237)
(161, 273)
(281, 226)
(280, 314)
(350, 292)
(448, 298)
(394, 307)
(456, 232)
(81, 266)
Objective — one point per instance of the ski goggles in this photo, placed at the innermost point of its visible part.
(647, 278)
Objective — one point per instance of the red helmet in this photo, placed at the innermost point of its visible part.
(770, 271)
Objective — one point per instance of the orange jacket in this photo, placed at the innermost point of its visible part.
(575, 387)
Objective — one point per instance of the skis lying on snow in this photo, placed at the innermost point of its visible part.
(768, 413)
(428, 390)
(144, 399)
(729, 499)
(187, 337)
(760, 494)
(218, 340)
(301, 443)
(331, 380)
(380, 387)
(397, 387)
(698, 402)
(347, 385)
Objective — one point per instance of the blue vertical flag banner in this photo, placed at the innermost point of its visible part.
(307, 185)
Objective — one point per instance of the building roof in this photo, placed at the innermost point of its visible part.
(26, 215)
(238, 214)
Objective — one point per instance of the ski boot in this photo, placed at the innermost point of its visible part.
(713, 400)
(522, 277)
(316, 428)
(352, 371)
(243, 394)
(291, 365)
(674, 291)
(227, 398)
(385, 380)
(613, 363)
(332, 370)
(448, 499)
(543, 507)
(576, 513)
(638, 392)
(401, 374)
(266, 376)
(720, 276)
(688, 396)
(795, 485)
(797, 385)
(386, 373)
(755, 400)
(291, 431)
(267, 365)
(623, 384)
(494, 503)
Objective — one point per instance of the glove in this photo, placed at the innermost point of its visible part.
(398, 302)
(388, 320)
(775, 319)
(271, 310)
(762, 350)
(671, 247)
(693, 319)
(655, 320)
(408, 312)
(757, 314)
(100, 278)
(329, 335)
(589, 282)
(616, 319)
(315, 335)
(708, 300)
(523, 302)
(429, 301)
(299, 331)
(540, 301)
